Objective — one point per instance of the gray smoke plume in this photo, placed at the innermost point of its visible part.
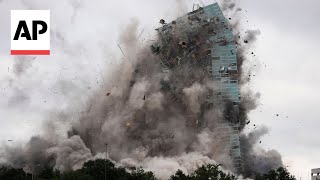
(164, 166)
(22, 64)
(18, 97)
(40, 153)
(228, 5)
(151, 111)
(32, 157)
(251, 35)
(193, 95)
(258, 160)
(70, 153)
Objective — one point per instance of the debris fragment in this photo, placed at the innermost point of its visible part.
(140, 33)
(132, 83)
(121, 50)
(155, 48)
(162, 21)
(189, 58)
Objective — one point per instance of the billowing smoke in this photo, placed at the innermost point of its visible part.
(164, 166)
(258, 160)
(228, 5)
(32, 157)
(251, 35)
(70, 153)
(152, 112)
(22, 64)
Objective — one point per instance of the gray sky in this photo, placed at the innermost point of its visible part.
(84, 46)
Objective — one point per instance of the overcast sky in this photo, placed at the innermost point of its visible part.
(84, 46)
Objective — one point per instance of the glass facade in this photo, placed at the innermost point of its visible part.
(224, 71)
(220, 57)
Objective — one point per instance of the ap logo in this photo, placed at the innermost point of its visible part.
(30, 32)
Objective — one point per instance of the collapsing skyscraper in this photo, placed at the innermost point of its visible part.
(203, 39)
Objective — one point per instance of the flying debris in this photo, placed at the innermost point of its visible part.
(140, 34)
(177, 100)
(120, 50)
(162, 21)
(196, 43)
(128, 124)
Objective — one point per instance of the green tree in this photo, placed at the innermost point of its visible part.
(91, 170)
(139, 173)
(8, 173)
(179, 175)
(212, 172)
(204, 172)
(100, 168)
(75, 175)
(48, 173)
(279, 174)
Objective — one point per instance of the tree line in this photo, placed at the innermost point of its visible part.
(101, 169)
